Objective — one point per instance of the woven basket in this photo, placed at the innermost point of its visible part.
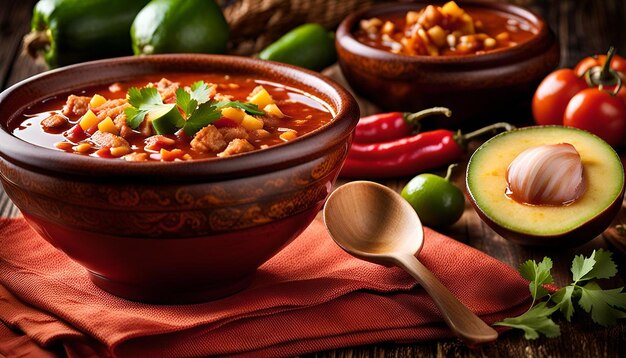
(256, 23)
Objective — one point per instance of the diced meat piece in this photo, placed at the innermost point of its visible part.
(76, 105)
(223, 97)
(157, 142)
(259, 134)
(110, 140)
(112, 108)
(145, 128)
(136, 157)
(120, 122)
(167, 90)
(230, 133)
(236, 146)
(54, 121)
(208, 139)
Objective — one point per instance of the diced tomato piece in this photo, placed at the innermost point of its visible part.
(225, 122)
(75, 134)
(170, 155)
(104, 152)
(92, 129)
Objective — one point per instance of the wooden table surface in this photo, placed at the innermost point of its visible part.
(583, 27)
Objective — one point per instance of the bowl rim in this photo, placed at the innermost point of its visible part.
(284, 155)
(345, 36)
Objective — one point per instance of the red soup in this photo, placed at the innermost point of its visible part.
(445, 30)
(177, 116)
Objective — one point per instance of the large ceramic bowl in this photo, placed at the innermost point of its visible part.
(470, 85)
(179, 231)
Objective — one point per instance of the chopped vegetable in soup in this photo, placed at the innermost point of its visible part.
(177, 117)
(443, 30)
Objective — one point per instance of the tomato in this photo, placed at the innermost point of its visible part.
(553, 95)
(597, 112)
(618, 63)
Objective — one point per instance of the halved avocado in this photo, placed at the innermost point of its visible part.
(543, 225)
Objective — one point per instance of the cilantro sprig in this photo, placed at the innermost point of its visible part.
(605, 306)
(198, 109)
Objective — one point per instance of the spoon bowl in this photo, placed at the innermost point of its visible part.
(373, 240)
(374, 223)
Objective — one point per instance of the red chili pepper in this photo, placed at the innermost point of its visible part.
(407, 156)
(389, 126)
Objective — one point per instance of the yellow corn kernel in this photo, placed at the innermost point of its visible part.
(260, 97)
(452, 9)
(82, 148)
(388, 27)
(437, 35)
(250, 123)
(119, 151)
(273, 110)
(235, 114)
(412, 17)
(107, 125)
(503, 36)
(97, 101)
(287, 136)
(63, 145)
(88, 120)
(489, 43)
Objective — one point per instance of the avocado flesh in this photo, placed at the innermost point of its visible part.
(486, 181)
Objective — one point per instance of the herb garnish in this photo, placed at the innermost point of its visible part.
(605, 306)
(198, 109)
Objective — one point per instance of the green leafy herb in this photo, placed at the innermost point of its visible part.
(206, 114)
(200, 92)
(199, 109)
(605, 306)
(142, 101)
(250, 108)
(534, 321)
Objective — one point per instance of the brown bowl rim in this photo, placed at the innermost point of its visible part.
(258, 162)
(345, 36)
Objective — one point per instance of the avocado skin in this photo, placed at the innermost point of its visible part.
(83, 30)
(576, 237)
(180, 26)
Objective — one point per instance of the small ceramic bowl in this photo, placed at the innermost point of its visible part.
(470, 85)
(181, 231)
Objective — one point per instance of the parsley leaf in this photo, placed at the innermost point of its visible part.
(538, 275)
(143, 101)
(582, 266)
(534, 321)
(602, 304)
(605, 306)
(200, 92)
(196, 104)
(563, 299)
(184, 101)
(250, 108)
(206, 114)
(604, 266)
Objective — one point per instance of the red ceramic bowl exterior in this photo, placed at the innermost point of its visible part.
(173, 232)
(469, 85)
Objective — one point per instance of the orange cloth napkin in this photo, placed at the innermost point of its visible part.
(312, 296)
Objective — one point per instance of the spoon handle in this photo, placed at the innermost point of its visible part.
(469, 327)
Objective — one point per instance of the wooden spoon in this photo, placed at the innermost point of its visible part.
(374, 223)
